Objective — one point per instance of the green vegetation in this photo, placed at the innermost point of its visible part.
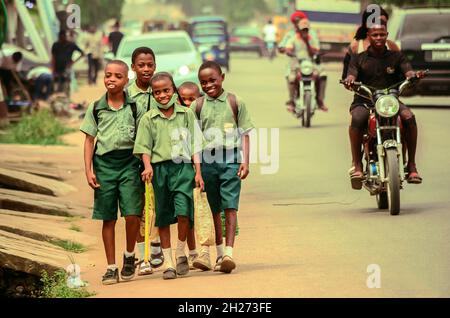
(98, 12)
(40, 128)
(69, 245)
(56, 287)
(75, 228)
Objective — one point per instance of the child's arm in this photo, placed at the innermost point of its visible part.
(89, 143)
(198, 172)
(244, 167)
(147, 174)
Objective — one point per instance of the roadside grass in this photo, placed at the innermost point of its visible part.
(75, 228)
(55, 286)
(69, 245)
(39, 128)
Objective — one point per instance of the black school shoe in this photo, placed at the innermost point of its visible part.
(111, 277)
(129, 268)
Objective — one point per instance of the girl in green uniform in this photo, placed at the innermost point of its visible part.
(168, 141)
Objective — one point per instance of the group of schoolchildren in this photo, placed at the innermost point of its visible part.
(153, 132)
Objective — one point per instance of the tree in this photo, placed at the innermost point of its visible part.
(235, 11)
(99, 11)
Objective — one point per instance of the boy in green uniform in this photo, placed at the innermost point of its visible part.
(169, 141)
(189, 92)
(111, 169)
(225, 123)
(143, 63)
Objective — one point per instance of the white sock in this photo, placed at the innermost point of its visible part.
(193, 252)
(204, 249)
(141, 249)
(155, 249)
(180, 249)
(167, 252)
(112, 266)
(229, 251)
(219, 249)
(128, 254)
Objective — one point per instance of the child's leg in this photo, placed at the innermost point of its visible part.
(164, 233)
(132, 223)
(108, 235)
(230, 227)
(191, 240)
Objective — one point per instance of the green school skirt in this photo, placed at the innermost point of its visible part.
(222, 184)
(173, 184)
(118, 173)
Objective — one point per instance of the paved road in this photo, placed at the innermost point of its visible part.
(304, 231)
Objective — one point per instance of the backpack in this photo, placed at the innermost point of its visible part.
(232, 100)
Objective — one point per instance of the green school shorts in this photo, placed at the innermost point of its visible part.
(118, 173)
(173, 184)
(222, 184)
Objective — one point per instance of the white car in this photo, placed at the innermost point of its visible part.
(174, 51)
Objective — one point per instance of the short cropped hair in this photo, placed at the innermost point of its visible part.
(189, 85)
(118, 62)
(142, 50)
(210, 64)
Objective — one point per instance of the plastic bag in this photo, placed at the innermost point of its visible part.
(203, 219)
(150, 201)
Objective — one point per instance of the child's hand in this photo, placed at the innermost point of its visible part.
(147, 174)
(199, 181)
(243, 171)
(92, 180)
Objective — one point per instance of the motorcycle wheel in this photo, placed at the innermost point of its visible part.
(382, 200)
(394, 181)
(307, 113)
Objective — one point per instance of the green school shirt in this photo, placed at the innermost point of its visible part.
(116, 127)
(169, 138)
(138, 95)
(218, 124)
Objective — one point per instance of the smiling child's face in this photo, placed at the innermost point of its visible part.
(144, 66)
(211, 81)
(189, 94)
(162, 90)
(116, 77)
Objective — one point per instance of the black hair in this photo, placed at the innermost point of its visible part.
(142, 50)
(361, 33)
(118, 62)
(62, 33)
(161, 75)
(17, 56)
(210, 64)
(189, 85)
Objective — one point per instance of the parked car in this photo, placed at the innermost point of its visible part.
(210, 36)
(423, 34)
(175, 53)
(247, 39)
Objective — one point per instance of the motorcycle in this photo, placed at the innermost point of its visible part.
(305, 103)
(382, 144)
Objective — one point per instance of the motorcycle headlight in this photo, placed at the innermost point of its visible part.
(387, 106)
(306, 67)
(222, 46)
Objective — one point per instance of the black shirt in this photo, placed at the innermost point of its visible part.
(62, 53)
(114, 38)
(379, 72)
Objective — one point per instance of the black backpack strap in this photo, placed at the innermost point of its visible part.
(134, 111)
(148, 103)
(232, 100)
(199, 105)
(95, 111)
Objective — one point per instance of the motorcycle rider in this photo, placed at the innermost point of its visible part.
(304, 45)
(380, 68)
